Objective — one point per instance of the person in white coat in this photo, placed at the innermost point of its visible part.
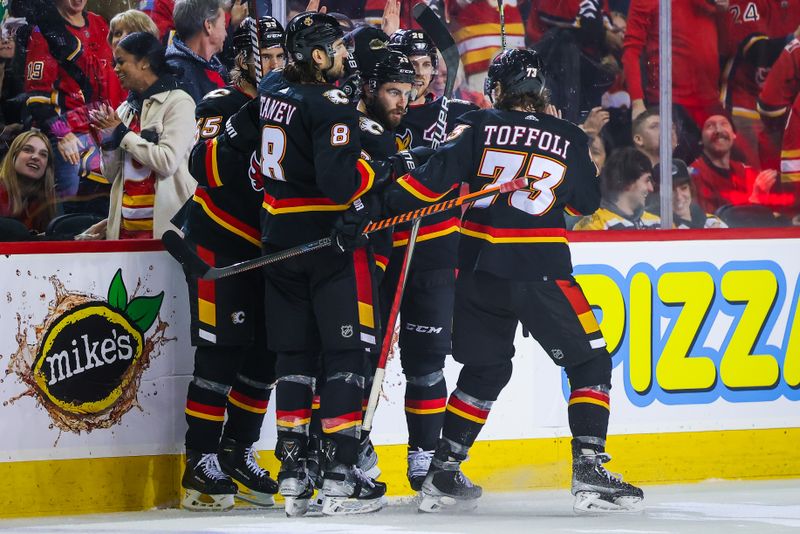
(146, 144)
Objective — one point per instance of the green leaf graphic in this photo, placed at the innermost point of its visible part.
(117, 294)
(144, 310)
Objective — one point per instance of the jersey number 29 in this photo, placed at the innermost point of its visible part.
(505, 165)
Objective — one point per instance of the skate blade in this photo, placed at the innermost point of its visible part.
(201, 502)
(433, 504)
(348, 506)
(295, 506)
(590, 502)
(315, 506)
(255, 498)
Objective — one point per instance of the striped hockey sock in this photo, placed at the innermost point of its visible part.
(426, 398)
(464, 419)
(588, 413)
(293, 395)
(205, 414)
(247, 405)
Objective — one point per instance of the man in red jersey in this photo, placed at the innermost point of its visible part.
(721, 180)
(695, 55)
(66, 71)
(779, 104)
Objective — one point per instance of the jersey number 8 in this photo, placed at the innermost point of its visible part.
(505, 165)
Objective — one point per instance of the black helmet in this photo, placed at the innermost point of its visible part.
(311, 30)
(270, 34)
(517, 72)
(392, 66)
(366, 44)
(414, 43)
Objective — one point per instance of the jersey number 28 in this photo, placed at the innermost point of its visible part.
(505, 165)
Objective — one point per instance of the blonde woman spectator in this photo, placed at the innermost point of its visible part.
(27, 182)
(130, 21)
(146, 144)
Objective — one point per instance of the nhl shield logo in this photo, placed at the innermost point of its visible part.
(557, 354)
(347, 330)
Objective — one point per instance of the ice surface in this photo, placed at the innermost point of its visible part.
(708, 507)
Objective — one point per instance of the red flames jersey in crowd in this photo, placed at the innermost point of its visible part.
(779, 96)
(546, 14)
(741, 79)
(161, 13)
(51, 91)
(717, 187)
(476, 29)
(784, 17)
(695, 53)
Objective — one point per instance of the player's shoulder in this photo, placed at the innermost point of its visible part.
(324, 95)
(222, 99)
(650, 219)
(370, 126)
(458, 106)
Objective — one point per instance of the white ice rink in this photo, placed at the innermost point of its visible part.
(709, 507)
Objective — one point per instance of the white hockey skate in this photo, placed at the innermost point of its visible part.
(445, 486)
(346, 490)
(597, 491)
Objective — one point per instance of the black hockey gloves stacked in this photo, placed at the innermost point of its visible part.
(348, 230)
(406, 161)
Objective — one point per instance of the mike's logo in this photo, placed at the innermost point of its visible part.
(90, 354)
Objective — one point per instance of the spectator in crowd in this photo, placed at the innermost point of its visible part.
(160, 11)
(646, 134)
(59, 81)
(579, 45)
(695, 55)
(779, 105)
(685, 212)
(200, 26)
(130, 21)
(27, 191)
(475, 25)
(146, 144)
(752, 44)
(11, 89)
(625, 182)
(719, 179)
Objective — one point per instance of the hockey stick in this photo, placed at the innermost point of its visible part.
(502, 8)
(433, 26)
(181, 251)
(255, 48)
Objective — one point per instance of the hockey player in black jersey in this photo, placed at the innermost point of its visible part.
(388, 78)
(515, 266)
(385, 81)
(234, 370)
(426, 312)
(320, 304)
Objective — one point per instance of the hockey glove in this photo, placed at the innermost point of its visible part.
(406, 161)
(348, 230)
(243, 130)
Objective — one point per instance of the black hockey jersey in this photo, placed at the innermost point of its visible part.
(377, 143)
(520, 235)
(223, 214)
(417, 129)
(308, 142)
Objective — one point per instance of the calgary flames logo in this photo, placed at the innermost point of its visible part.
(403, 141)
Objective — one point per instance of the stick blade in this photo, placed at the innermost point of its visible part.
(180, 250)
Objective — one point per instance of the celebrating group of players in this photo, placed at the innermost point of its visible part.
(338, 137)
